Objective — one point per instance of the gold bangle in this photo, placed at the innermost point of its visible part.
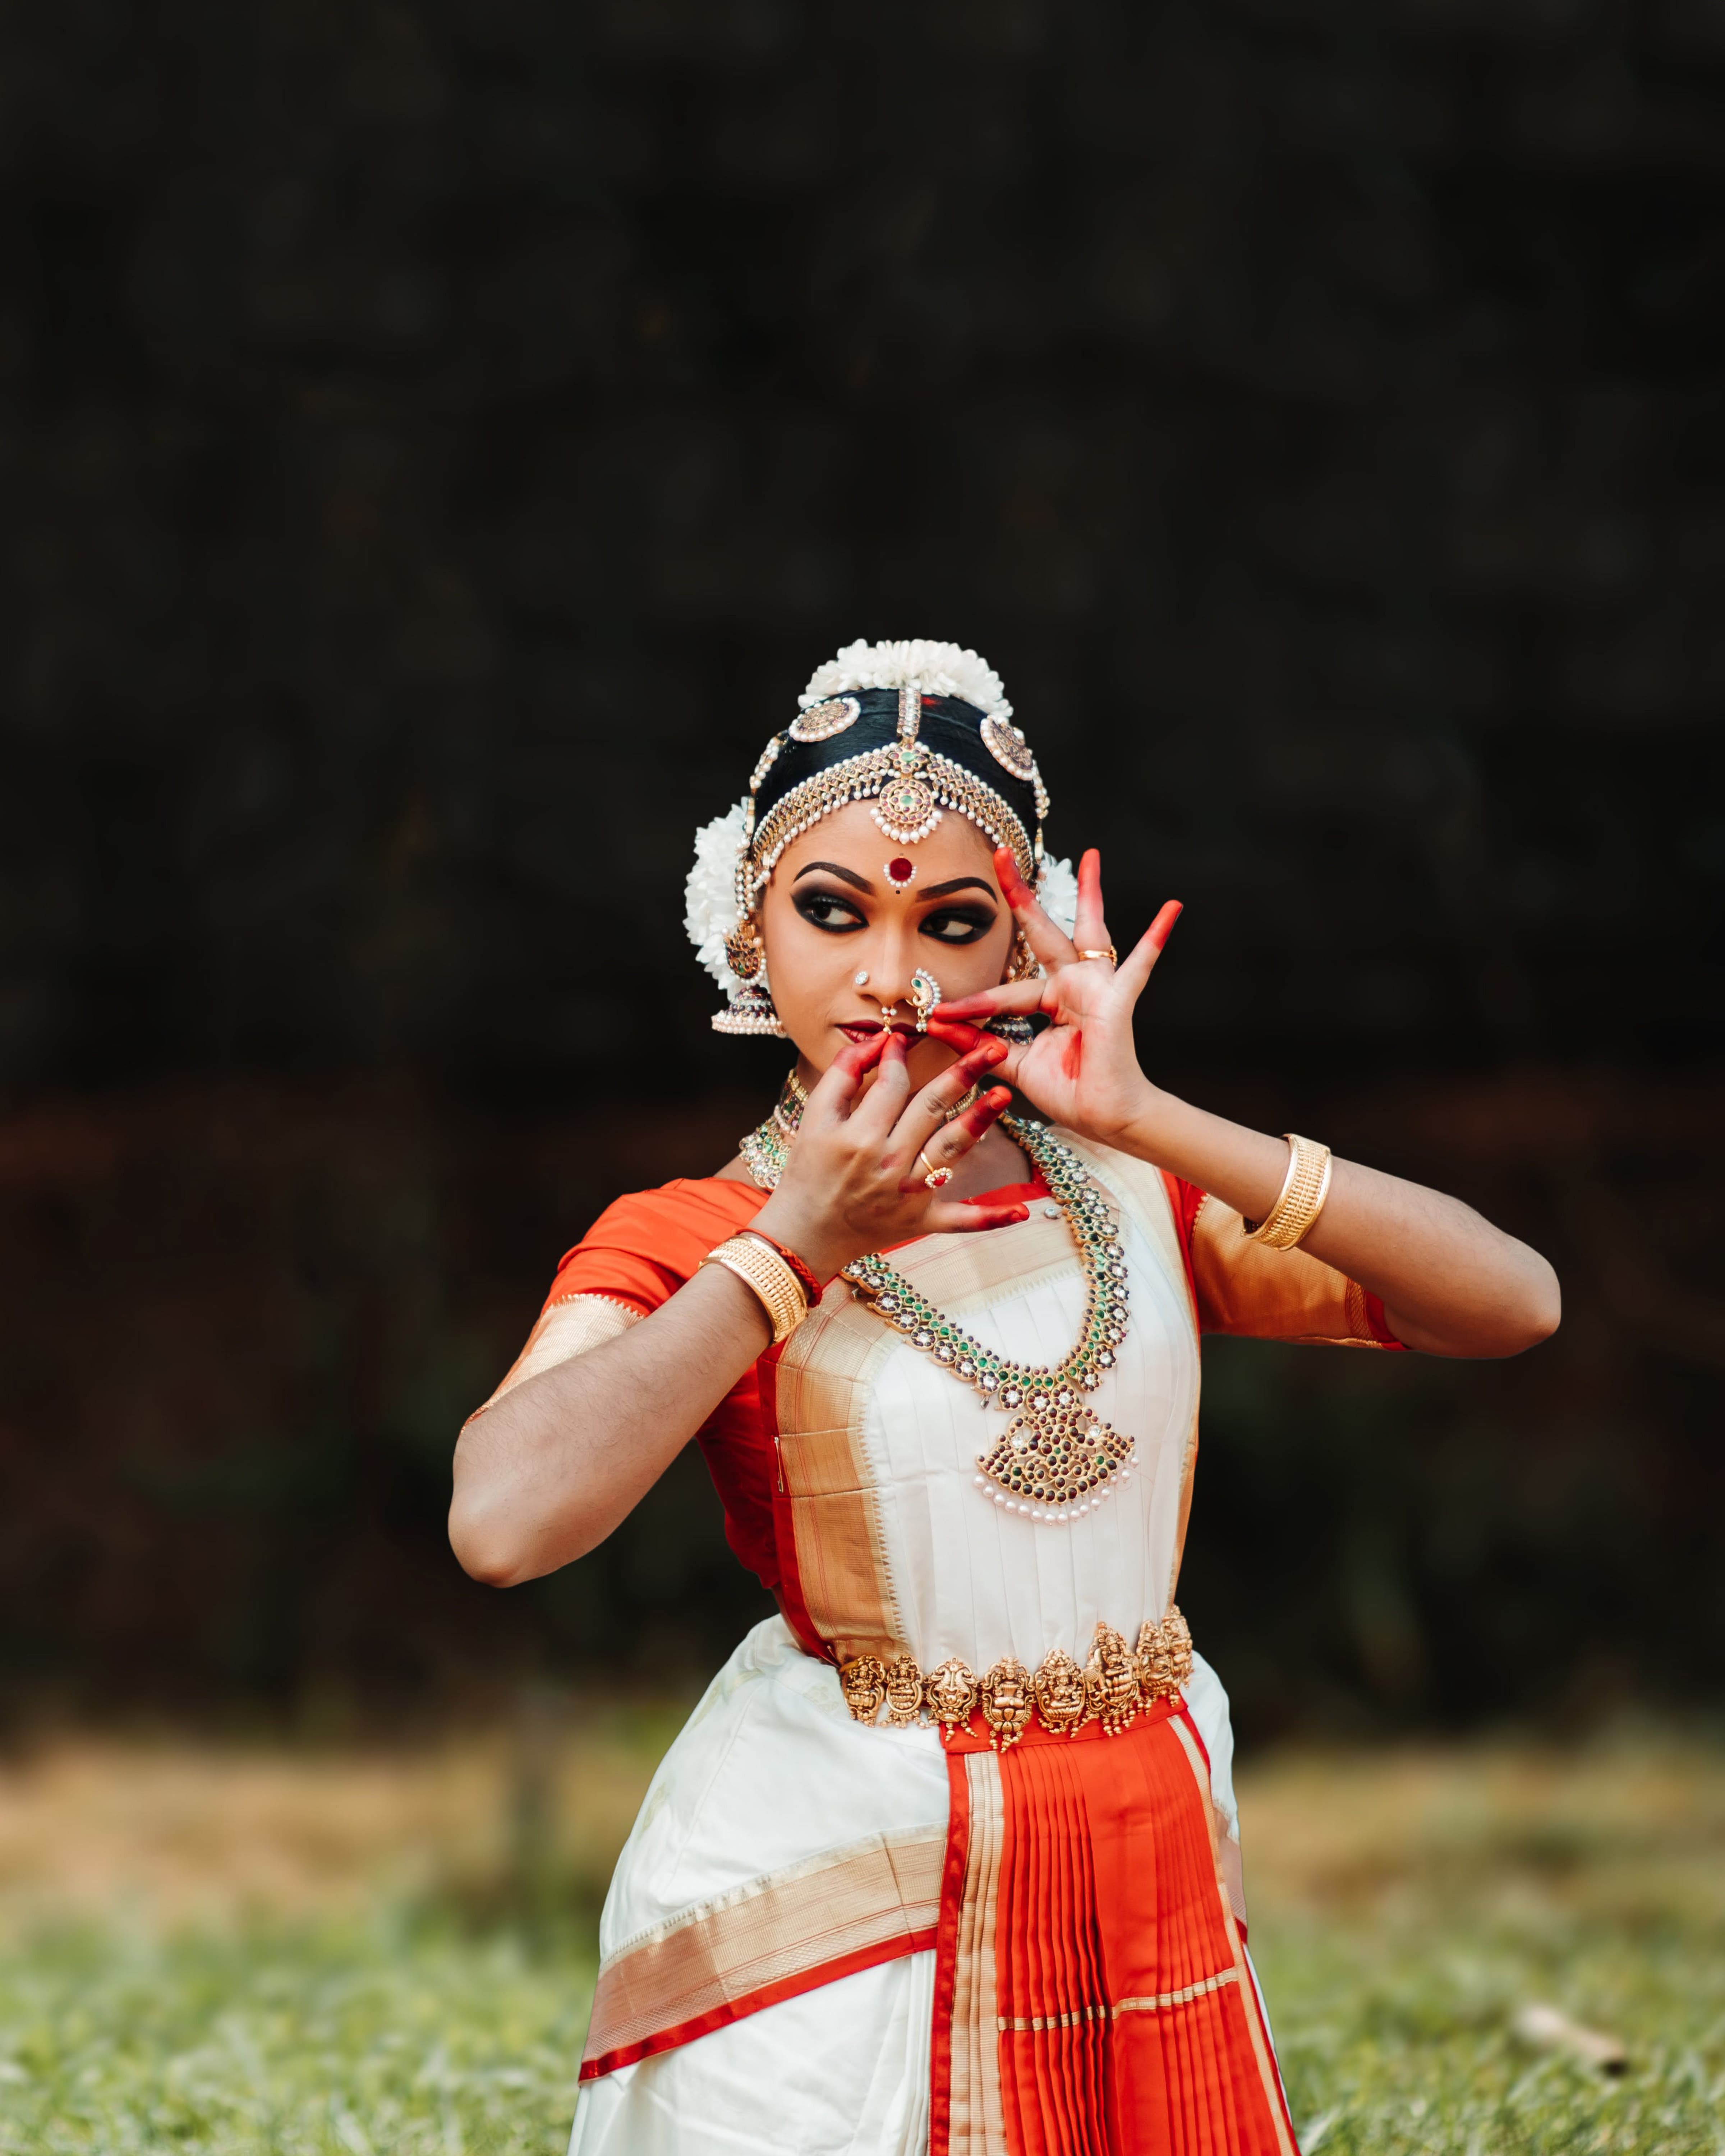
(1304, 1190)
(760, 1269)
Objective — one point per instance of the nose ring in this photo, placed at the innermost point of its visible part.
(861, 980)
(925, 994)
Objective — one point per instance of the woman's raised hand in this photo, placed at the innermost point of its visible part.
(855, 1180)
(1083, 1070)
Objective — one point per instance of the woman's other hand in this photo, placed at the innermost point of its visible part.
(854, 1179)
(1083, 1070)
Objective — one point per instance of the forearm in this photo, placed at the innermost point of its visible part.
(546, 1473)
(1451, 1284)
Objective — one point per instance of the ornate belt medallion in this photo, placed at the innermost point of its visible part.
(1113, 1687)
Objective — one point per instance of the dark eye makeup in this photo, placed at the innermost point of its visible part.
(959, 924)
(836, 914)
(826, 909)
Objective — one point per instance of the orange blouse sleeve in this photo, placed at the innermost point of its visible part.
(634, 1257)
(1245, 1287)
(640, 1250)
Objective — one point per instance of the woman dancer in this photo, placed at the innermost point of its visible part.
(947, 1859)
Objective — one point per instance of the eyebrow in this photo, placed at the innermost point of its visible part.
(832, 868)
(862, 883)
(958, 883)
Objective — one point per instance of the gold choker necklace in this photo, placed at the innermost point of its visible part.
(763, 1150)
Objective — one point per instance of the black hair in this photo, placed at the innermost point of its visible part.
(949, 727)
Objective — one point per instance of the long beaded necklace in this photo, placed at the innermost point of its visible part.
(1057, 1459)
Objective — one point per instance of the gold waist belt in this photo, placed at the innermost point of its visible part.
(1114, 1685)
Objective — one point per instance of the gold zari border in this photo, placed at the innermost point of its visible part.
(1113, 1687)
(773, 1929)
(1161, 2002)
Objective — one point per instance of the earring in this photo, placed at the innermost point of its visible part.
(1024, 965)
(751, 1007)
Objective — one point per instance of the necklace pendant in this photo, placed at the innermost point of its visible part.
(1058, 1454)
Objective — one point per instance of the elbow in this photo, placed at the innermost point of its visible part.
(486, 1549)
(1537, 1314)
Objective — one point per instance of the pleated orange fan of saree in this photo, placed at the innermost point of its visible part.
(1093, 1996)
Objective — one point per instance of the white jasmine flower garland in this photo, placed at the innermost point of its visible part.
(943, 670)
(709, 896)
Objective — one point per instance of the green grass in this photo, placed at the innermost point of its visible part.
(1406, 2044)
(1403, 1909)
(1414, 1907)
(327, 2040)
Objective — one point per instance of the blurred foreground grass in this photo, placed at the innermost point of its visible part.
(230, 1950)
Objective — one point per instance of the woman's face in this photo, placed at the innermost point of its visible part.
(831, 912)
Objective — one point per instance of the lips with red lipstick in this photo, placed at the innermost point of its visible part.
(860, 1029)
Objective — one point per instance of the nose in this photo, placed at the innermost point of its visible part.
(885, 970)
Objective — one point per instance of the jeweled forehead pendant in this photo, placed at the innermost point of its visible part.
(907, 809)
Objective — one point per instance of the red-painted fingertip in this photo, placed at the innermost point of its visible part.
(964, 1038)
(857, 1056)
(1012, 887)
(1163, 925)
(987, 1052)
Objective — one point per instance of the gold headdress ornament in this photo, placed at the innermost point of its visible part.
(911, 783)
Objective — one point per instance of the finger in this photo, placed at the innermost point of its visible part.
(943, 1148)
(953, 1034)
(884, 1103)
(955, 1216)
(990, 1003)
(967, 1037)
(1047, 941)
(938, 1098)
(838, 1085)
(1140, 962)
(1090, 931)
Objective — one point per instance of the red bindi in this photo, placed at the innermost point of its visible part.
(900, 871)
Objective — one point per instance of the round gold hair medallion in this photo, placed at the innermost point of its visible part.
(821, 721)
(907, 810)
(1008, 746)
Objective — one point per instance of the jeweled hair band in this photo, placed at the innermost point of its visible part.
(908, 777)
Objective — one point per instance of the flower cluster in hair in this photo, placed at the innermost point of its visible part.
(940, 669)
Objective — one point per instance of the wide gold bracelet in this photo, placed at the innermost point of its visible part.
(1303, 1192)
(760, 1269)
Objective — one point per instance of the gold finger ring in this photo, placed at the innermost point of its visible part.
(967, 1100)
(1111, 954)
(937, 1178)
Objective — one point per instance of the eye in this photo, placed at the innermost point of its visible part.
(826, 909)
(959, 924)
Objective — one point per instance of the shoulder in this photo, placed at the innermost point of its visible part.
(647, 1243)
(656, 1221)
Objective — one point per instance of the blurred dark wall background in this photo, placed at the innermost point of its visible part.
(439, 439)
